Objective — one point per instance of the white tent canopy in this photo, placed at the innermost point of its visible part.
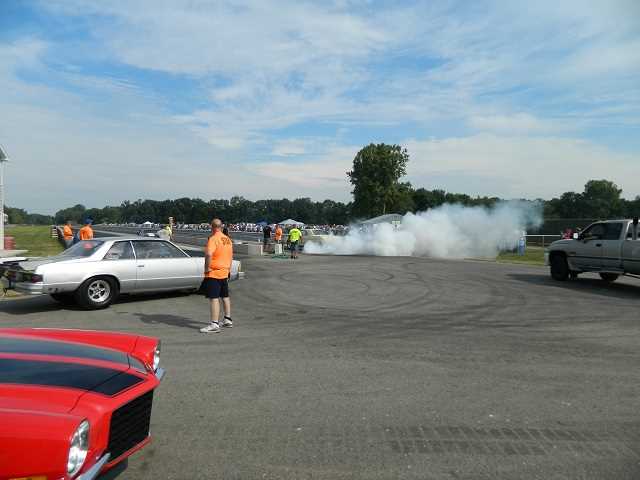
(290, 221)
(147, 223)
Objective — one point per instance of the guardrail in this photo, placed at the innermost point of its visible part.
(60, 236)
(541, 240)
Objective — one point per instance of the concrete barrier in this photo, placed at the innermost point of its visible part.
(254, 249)
(195, 239)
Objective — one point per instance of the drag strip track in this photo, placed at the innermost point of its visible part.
(383, 368)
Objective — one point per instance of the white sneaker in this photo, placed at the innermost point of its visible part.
(213, 327)
(227, 322)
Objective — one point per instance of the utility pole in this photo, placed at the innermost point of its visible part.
(3, 159)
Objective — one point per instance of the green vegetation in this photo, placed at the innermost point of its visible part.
(375, 178)
(36, 239)
(532, 256)
(20, 216)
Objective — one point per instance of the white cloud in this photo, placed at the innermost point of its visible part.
(322, 176)
(288, 148)
(529, 78)
(516, 166)
(518, 123)
(485, 164)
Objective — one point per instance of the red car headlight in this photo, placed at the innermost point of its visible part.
(78, 449)
(156, 357)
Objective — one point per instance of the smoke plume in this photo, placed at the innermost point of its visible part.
(449, 231)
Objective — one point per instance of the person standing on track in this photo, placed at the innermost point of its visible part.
(67, 234)
(218, 255)
(294, 238)
(86, 232)
(266, 234)
(278, 235)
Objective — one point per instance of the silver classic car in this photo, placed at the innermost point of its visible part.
(93, 273)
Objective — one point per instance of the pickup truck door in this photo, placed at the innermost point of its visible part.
(612, 245)
(586, 253)
(631, 252)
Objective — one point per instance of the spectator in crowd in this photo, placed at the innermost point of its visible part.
(164, 233)
(217, 268)
(86, 232)
(568, 234)
(67, 234)
(294, 238)
(266, 234)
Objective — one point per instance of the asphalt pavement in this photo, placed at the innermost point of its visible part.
(387, 368)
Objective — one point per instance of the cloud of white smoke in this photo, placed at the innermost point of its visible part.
(449, 231)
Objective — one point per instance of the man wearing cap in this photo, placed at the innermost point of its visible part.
(86, 232)
(218, 255)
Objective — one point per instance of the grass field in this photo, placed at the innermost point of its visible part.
(36, 239)
(532, 256)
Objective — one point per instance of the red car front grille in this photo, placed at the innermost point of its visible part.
(130, 425)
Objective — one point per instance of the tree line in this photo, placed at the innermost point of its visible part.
(600, 199)
(377, 189)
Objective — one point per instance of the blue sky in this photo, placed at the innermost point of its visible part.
(108, 101)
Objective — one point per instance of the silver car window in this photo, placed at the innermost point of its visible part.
(84, 248)
(153, 249)
(120, 251)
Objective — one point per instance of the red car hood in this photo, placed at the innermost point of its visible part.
(38, 374)
(27, 398)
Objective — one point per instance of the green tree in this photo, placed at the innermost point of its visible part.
(375, 177)
(75, 214)
(602, 199)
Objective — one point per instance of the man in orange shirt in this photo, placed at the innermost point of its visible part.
(278, 234)
(86, 232)
(67, 234)
(218, 255)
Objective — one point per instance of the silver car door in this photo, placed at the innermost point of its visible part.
(611, 246)
(162, 266)
(122, 264)
(586, 252)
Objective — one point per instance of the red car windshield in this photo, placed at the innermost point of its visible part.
(84, 248)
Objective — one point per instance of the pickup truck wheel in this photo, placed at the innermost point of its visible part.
(97, 292)
(609, 277)
(64, 298)
(559, 268)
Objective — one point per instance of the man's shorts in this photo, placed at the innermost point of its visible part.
(215, 288)
(293, 246)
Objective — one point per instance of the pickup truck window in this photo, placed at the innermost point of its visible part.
(612, 231)
(597, 230)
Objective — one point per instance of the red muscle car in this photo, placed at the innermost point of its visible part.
(73, 403)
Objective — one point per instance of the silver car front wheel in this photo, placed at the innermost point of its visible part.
(97, 292)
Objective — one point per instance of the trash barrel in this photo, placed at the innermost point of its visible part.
(9, 243)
